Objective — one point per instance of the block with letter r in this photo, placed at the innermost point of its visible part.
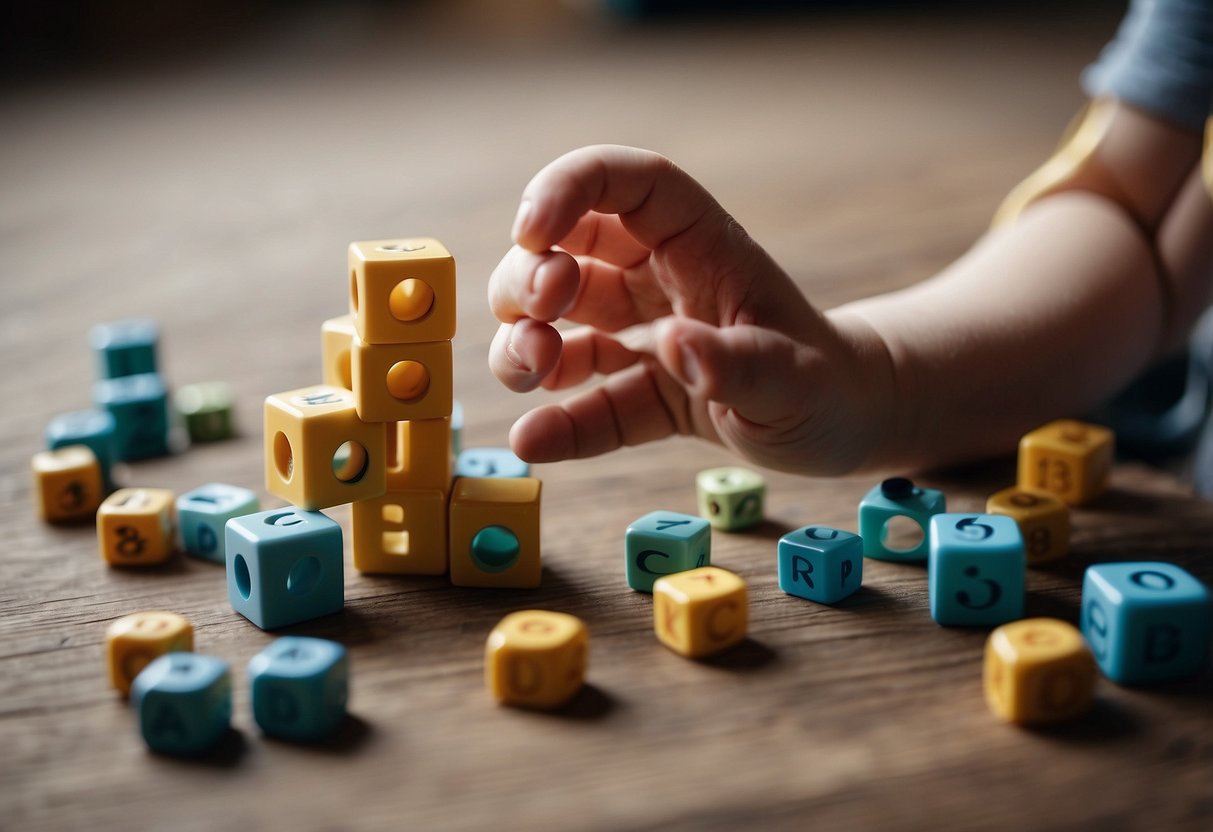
(663, 543)
(820, 563)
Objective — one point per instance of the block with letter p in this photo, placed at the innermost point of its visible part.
(819, 563)
(700, 612)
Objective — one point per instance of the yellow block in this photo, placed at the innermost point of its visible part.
(401, 533)
(67, 483)
(1070, 460)
(701, 611)
(1044, 521)
(396, 382)
(336, 343)
(318, 453)
(135, 526)
(1038, 670)
(536, 658)
(494, 528)
(402, 291)
(132, 642)
(419, 454)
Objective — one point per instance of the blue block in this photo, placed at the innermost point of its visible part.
(456, 427)
(490, 462)
(125, 348)
(819, 563)
(94, 428)
(1146, 621)
(203, 513)
(183, 702)
(662, 543)
(897, 497)
(139, 405)
(300, 687)
(284, 566)
(975, 572)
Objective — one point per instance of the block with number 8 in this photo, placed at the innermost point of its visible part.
(135, 527)
(1044, 521)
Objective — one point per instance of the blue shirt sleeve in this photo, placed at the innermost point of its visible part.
(1160, 61)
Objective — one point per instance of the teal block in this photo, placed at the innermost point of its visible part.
(94, 428)
(975, 572)
(203, 513)
(139, 405)
(897, 497)
(456, 427)
(819, 563)
(1145, 621)
(183, 702)
(284, 566)
(300, 687)
(490, 462)
(125, 348)
(662, 543)
(730, 498)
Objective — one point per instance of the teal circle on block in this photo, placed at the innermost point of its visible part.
(304, 576)
(495, 549)
(244, 581)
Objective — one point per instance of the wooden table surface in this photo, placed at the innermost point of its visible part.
(217, 196)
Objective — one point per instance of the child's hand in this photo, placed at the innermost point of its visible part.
(697, 330)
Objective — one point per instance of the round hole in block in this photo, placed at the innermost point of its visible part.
(345, 369)
(354, 291)
(902, 533)
(350, 462)
(304, 575)
(495, 549)
(408, 381)
(411, 300)
(284, 457)
(244, 582)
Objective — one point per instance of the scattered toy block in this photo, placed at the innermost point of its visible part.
(300, 688)
(893, 498)
(700, 612)
(203, 513)
(494, 532)
(94, 428)
(183, 702)
(1038, 671)
(401, 533)
(68, 485)
(1044, 521)
(1069, 459)
(731, 499)
(536, 658)
(662, 543)
(490, 462)
(135, 641)
(125, 348)
(819, 563)
(135, 526)
(139, 405)
(975, 572)
(402, 291)
(207, 409)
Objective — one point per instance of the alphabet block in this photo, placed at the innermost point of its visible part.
(402, 291)
(94, 428)
(337, 343)
(819, 563)
(207, 409)
(490, 462)
(125, 348)
(135, 527)
(139, 405)
(536, 658)
(975, 572)
(203, 513)
(184, 703)
(494, 528)
(1068, 459)
(318, 453)
(1038, 671)
(419, 455)
(135, 641)
(730, 498)
(1145, 621)
(300, 687)
(401, 533)
(1044, 521)
(700, 612)
(67, 484)
(662, 543)
(395, 382)
(896, 497)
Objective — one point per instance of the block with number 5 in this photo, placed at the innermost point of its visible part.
(975, 570)
(135, 527)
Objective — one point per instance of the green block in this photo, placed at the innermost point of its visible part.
(730, 498)
(207, 410)
(662, 543)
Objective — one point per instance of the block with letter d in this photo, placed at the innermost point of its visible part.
(536, 658)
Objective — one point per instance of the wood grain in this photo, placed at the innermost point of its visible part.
(218, 197)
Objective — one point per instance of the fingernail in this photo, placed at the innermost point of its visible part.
(524, 213)
(690, 364)
(511, 352)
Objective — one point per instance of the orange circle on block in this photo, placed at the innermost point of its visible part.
(408, 381)
(410, 300)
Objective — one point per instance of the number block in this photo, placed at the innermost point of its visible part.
(284, 566)
(94, 428)
(1146, 622)
(337, 344)
(300, 687)
(897, 497)
(494, 529)
(1068, 459)
(68, 485)
(139, 405)
(536, 659)
(730, 498)
(419, 455)
(700, 612)
(125, 348)
(135, 641)
(490, 462)
(819, 563)
(184, 703)
(1044, 521)
(456, 427)
(975, 572)
(318, 453)
(402, 291)
(396, 382)
(135, 527)
(207, 409)
(203, 513)
(401, 533)
(663, 543)
(1038, 671)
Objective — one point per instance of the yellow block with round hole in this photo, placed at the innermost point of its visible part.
(1037, 671)
(401, 533)
(68, 485)
(701, 611)
(494, 531)
(1044, 521)
(135, 526)
(402, 291)
(336, 351)
(536, 658)
(1069, 459)
(419, 454)
(134, 641)
(398, 382)
(318, 453)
